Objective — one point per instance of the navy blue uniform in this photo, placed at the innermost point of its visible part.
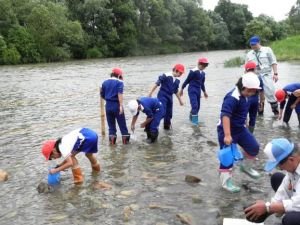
(110, 90)
(195, 80)
(236, 108)
(254, 103)
(289, 89)
(153, 108)
(168, 86)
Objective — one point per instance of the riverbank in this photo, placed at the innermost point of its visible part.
(287, 49)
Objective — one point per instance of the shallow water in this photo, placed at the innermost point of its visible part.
(40, 102)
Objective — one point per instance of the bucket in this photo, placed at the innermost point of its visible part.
(54, 179)
(229, 155)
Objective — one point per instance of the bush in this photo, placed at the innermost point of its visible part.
(287, 49)
(11, 56)
(93, 53)
(234, 62)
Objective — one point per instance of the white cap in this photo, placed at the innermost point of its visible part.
(133, 107)
(251, 81)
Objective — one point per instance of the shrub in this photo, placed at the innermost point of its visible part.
(234, 62)
(11, 56)
(93, 53)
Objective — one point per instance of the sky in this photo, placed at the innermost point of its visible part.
(278, 9)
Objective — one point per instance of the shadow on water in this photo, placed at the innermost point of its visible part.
(40, 102)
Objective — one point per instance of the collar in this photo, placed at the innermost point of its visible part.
(236, 93)
(114, 78)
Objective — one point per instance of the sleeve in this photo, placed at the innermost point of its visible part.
(282, 104)
(148, 112)
(228, 106)
(176, 87)
(120, 87)
(203, 84)
(271, 57)
(188, 79)
(102, 92)
(161, 79)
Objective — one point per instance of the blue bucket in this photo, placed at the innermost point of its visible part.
(229, 155)
(54, 179)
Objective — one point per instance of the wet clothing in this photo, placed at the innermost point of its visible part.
(196, 82)
(287, 188)
(153, 108)
(79, 140)
(289, 89)
(253, 104)
(109, 91)
(168, 86)
(236, 108)
(264, 59)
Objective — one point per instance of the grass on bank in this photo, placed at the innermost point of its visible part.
(287, 49)
(234, 62)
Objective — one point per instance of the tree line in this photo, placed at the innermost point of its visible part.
(35, 31)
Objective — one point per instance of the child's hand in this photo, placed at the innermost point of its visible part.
(132, 128)
(121, 110)
(228, 140)
(181, 102)
(180, 92)
(293, 106)
(52, 171)
(143, 125)
(205, 95)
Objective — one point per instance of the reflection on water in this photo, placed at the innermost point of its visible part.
(46, 101)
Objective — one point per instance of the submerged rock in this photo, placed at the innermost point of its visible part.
(102, 185)
(212, 143)
(127, 193)
(192, 179)
(44, 188)
(197, 199)
(156, 206)
(3, 175)
(127, 213)
(185, 218)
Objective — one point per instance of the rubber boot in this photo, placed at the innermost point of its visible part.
(153, 137)
(274, 106)
(77, 175)
(261, 109)
(246, 168)
(195, 120)
(96, 168)
(167, 126)
(125, 139)
(112, 139)
(226, 181)
(251, 129)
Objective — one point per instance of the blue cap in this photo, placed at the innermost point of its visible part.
(277, 150)
(254, 40)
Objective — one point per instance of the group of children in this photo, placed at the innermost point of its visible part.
(243, 99)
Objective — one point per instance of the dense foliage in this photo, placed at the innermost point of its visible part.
(34, 31)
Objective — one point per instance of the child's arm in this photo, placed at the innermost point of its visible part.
(282, 104)
(203, 88)
(186, 82)
(226, 129)
(67, 163)
(147, 121)
(153, 89)
(179, 98)
(120, 97)
(134, 119)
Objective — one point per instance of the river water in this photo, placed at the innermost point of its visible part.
(44, 101)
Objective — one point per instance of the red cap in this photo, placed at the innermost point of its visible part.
(250, 65)
(280, 95)
(179, 68)
(203, 60)
(117, 71)
(47, 148)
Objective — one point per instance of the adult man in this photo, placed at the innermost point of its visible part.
(265, 61)
(286, 200)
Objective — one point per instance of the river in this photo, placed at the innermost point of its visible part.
(40, 102)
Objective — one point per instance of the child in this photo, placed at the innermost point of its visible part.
(196, 80)
(154, 110)
(231, 128)
(169, 84)
(254, 103)
(79, 140)
(292, 91)
(112, 92)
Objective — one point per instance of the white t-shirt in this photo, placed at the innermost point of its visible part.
(68, 141)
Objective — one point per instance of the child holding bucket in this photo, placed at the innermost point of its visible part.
(231, 128)
(169, 84)
(112, 92)
(79, 140)
(196, 80)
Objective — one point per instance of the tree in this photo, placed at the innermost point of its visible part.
(257, 27)
(294, 18)
(11, 55)
(7, 16)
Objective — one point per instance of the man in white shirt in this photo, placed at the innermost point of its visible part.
(266, 62)
(286, 200)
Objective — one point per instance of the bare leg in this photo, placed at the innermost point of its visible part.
(94, 163)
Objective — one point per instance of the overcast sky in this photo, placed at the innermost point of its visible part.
(278, 9)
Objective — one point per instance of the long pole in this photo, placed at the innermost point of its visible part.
(102, 116)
